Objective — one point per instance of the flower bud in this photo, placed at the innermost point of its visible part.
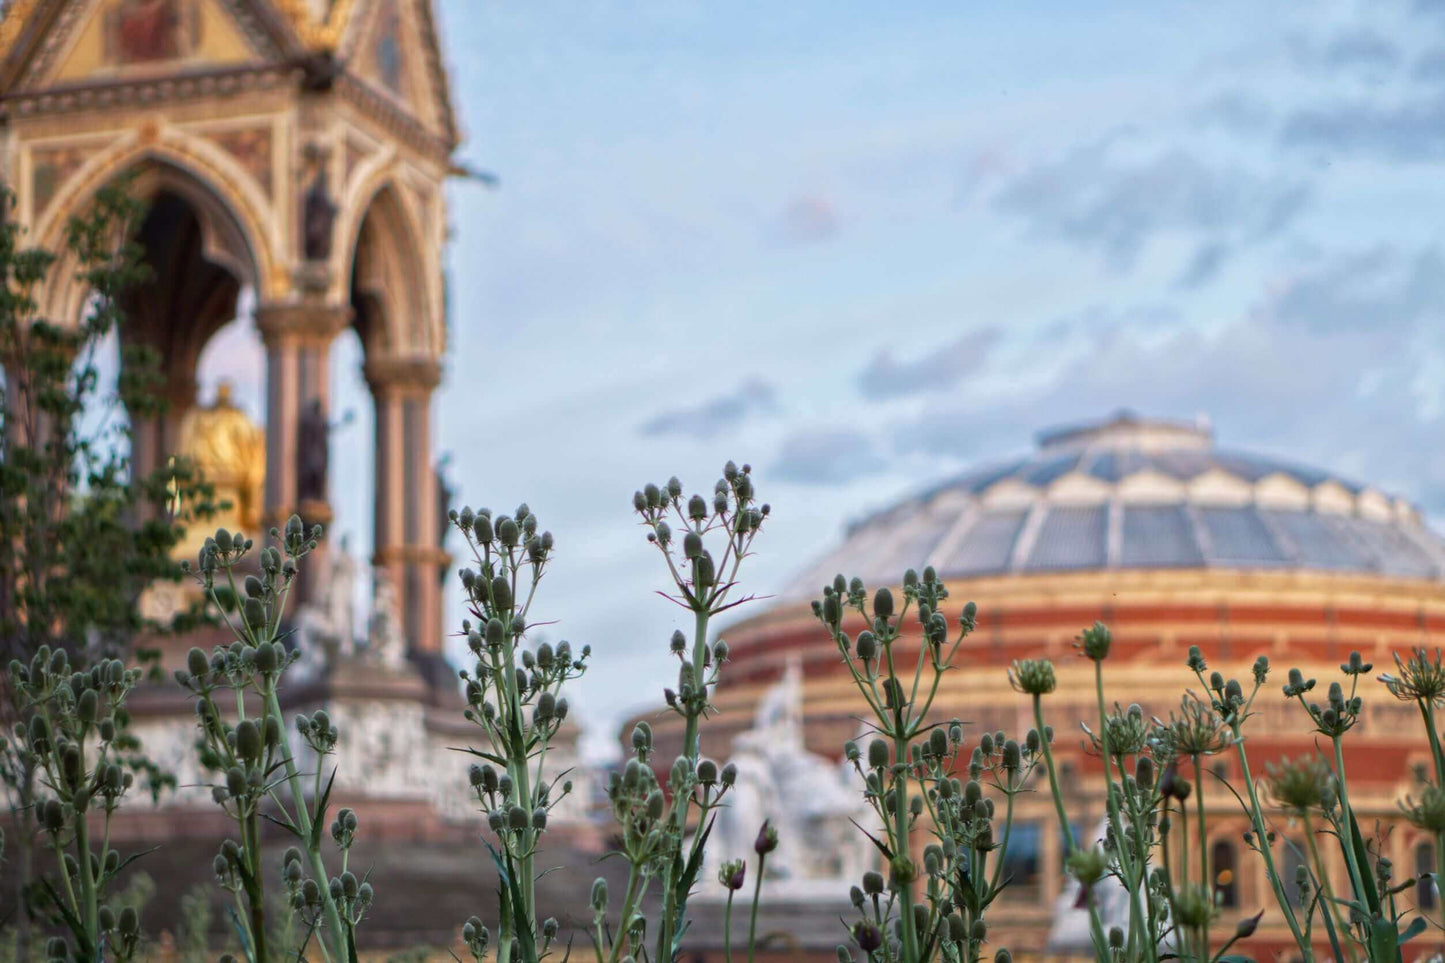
(867, 935)
(254, 611)
(877, 754)
(767, 840)
(873, 883)
(248, 740)
(883, 603)
(87, 706)
(501, 594)
(197, 663)
(1095, 642)
(729, 774)
(599, 894)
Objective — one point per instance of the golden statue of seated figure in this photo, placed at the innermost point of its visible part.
(229, 450)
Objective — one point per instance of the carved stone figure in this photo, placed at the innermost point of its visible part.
(808, 798)
(318, 218)
(312, 453)
(326, 627)
(385, 640)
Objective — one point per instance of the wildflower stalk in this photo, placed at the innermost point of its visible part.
(1256, 816)
(1427, 713)
(513, 693)
(1058, 796)
(1347, 818)
(1132, 874)
(1204, 879)
(1335, 921)
(763, 850)
(247, 754)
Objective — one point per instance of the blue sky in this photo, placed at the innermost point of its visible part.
(863, 247)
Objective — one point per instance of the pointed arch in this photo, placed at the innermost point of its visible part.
(231, 232)
(390, 279)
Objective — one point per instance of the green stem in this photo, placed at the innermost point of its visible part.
(1262, 837)
(90, 906)
(1427, 710)
(303, 823)
(1322, 871)
(900, 812)
(728, 927)
(1347, 820)
(1126, 857)
(1204, 878)
(1053, 778)
(673, 911)
(753, 913)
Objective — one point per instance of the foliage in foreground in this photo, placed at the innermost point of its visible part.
(82, 534)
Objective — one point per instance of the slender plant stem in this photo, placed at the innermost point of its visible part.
(1347, 821)
(728, 927)
(753, 913)
(1261, 834)
(1322, 871)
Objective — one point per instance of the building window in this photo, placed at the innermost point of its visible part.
(1023, 861)
(1226, 874)
(1427, 891)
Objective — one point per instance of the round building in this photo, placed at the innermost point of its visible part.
(1173, 542)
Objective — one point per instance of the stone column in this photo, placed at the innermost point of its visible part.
(407, 528)
(155, 439)
(298, 347)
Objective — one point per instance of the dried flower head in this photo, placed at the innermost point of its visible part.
(1300, 785)
(1033, 676)
(1420, 678)
(1429, 813)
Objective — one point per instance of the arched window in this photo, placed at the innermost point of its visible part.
(1427, 892)
(1226, 874)
(1022, 862)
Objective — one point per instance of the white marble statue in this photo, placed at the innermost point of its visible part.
(808, 798)
(326, 626)
(1070, 930)
(385, 641)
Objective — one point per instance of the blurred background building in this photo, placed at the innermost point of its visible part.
(1173, 542)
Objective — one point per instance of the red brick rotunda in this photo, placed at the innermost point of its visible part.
(1172, 542)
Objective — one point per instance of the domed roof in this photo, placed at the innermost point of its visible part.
(1138, 493)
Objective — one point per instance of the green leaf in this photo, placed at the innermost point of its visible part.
(1416, 927)
(513, 893)
(318, 823)
(1384, 945)
(241, 936)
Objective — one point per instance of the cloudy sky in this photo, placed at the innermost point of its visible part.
(863, 249)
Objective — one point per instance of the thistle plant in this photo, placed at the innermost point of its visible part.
(243, 742)
(1420, 679)
(703, 561)
(85, 761)
(83, 530)
(933, 909)
(513, 697)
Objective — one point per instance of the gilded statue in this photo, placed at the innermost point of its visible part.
(230, 452)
